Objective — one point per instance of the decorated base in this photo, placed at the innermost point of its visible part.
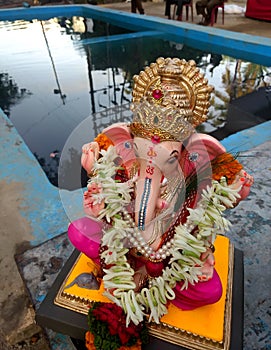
(206, 327)
(74, 324)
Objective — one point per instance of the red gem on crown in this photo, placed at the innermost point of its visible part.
(155, 139)
(157, 94)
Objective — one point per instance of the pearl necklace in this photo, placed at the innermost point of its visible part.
(137, 240)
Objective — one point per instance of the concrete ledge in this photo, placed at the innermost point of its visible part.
(247, 139)
(40, 202)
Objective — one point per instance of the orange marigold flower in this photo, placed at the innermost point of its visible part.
(103, 141)
(89, 341)
(225, 165)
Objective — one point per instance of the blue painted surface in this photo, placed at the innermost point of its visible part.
(243, 46)
(41, 203)
(249, 138)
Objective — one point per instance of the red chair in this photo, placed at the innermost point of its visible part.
(215, 13)
(186, 6)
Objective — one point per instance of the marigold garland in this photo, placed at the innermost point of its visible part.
(225, 165)
(103, 141)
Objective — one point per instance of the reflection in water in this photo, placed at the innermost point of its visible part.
(97, 79)
(10, 93)
(58, 90)
(215, 60)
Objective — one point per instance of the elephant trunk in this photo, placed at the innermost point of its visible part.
(147, 195)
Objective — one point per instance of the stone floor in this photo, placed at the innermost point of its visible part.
(39, 267)
(250, 232)
(235, 19)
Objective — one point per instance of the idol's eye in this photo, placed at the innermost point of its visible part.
(173, 159)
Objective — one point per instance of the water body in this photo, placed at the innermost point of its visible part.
(54, 77)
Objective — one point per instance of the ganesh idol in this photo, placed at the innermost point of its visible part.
(156, 194)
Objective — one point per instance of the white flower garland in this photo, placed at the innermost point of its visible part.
(185, 252)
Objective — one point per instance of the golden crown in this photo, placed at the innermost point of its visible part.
(176, 98)
(158, 123)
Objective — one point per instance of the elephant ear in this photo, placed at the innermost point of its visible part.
(119, 134)
(198, 152)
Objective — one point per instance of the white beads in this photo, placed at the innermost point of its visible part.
(136, 239)
(168, 244)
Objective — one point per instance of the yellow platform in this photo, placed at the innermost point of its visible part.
(207, 327)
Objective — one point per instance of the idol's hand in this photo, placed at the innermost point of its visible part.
(92, 206)
(207, 269)
(243, 181)
(90, 153)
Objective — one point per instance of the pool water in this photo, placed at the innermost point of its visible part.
(54, 76)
